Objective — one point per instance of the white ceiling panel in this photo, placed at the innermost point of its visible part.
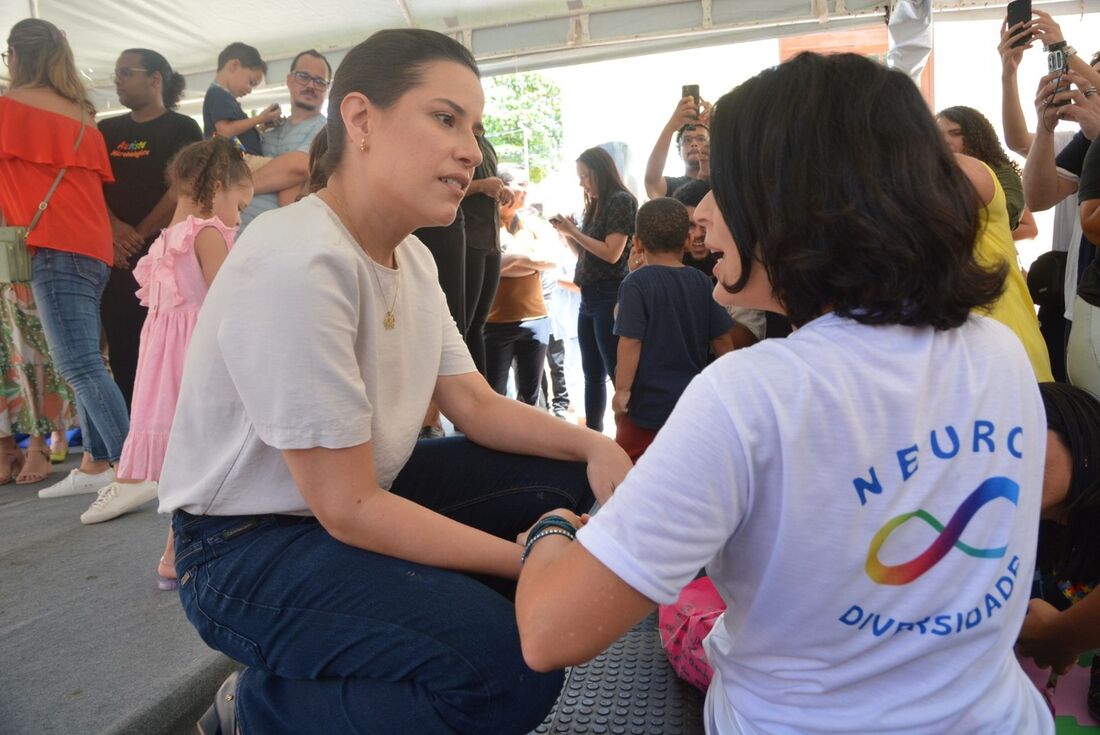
(505, 35)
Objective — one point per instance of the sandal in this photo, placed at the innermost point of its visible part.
(10, 465)
(166, 582)
(59, 452)
(29, 479)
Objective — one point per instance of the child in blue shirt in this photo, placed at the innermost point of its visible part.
(667, 323)
(240, 70)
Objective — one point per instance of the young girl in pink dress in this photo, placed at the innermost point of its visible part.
(213, 185)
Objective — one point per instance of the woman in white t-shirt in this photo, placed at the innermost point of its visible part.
(317, 542)
(858, 491)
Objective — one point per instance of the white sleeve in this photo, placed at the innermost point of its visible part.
(680, 504)
(289, 347)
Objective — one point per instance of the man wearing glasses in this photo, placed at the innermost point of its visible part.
(288, 144)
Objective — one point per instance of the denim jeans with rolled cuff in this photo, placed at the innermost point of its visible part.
(338, 639)
(68, 288)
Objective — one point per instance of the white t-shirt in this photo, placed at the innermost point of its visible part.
(290, 352)
(1066, 231)
(787, 469)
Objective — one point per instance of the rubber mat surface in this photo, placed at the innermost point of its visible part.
(629, 689)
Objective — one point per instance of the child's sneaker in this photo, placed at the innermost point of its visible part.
(77, 483)
(118, 498)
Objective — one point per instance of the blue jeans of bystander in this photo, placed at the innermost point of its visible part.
(68, 288)
(599, 346)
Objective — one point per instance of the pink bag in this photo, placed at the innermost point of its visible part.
(684, 624)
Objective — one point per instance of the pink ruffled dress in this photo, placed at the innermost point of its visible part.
(173, 288)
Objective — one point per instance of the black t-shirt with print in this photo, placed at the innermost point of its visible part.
(139, 154)
(616, 215)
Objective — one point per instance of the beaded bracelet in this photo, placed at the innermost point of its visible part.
(535, 537)
(553, 521)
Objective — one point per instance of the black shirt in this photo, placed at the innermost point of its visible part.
(220, 104)
(672, 183)
(616, 215)
(706, 264)
(481, 210)
(1087, 188)
(139, 153)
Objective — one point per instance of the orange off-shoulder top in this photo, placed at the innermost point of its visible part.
(34, 145)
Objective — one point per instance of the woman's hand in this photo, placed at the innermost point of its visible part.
(564, 225)
(1045, 28)
(1038, 638)
(577, 520)
(1011, 55)
(1080, 105)
(607, 467)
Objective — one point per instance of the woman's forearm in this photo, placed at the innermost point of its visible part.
(609, 250)
(1079, 626)
(348, 502)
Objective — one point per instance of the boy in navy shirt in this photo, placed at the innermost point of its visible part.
(240, 70)
(667, 323)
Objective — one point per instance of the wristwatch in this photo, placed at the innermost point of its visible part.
(1057, 45)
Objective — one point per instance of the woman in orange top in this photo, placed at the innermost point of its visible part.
(40, 121)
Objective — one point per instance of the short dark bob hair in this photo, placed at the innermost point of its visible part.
(383, 68)
(832, 173)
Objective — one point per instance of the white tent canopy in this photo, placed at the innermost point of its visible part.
(505, 35)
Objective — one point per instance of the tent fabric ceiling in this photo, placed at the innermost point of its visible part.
(505, 35)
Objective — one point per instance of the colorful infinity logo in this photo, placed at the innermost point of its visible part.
(991, 489)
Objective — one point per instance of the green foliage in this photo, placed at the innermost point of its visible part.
(518, 102)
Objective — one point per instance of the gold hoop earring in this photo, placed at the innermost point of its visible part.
(363, 145)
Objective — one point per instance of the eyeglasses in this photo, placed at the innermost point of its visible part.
(5, 55)
(125, 72)
(307, 79)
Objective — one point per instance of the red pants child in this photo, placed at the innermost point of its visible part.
(632, 438)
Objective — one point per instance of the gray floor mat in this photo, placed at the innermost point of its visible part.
(629, 689)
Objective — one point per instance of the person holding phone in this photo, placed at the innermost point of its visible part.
(689, 123)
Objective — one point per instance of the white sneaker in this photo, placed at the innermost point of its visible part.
(118, 498)
(78, 483)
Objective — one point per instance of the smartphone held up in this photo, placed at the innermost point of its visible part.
(1019, 11)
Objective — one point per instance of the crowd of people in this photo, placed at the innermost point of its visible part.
(291, 306)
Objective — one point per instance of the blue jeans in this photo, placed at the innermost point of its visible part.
(338, 639)
(599, 346)
(68, 288)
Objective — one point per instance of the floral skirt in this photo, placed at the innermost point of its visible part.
(33, 397)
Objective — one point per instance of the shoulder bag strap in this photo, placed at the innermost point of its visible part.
(60, 174)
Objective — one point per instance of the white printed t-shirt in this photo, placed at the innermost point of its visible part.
(866, 500)
(290, 352)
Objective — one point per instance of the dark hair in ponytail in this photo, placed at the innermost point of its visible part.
(384, 68)
(172, 82)
(318, 168)
(198, 167)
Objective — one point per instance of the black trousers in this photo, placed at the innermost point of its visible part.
(482, 278)
(520, 343)
(123, 317)
(555, 361)
(448, 248)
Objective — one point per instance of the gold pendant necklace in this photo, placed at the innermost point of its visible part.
(389, 320)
